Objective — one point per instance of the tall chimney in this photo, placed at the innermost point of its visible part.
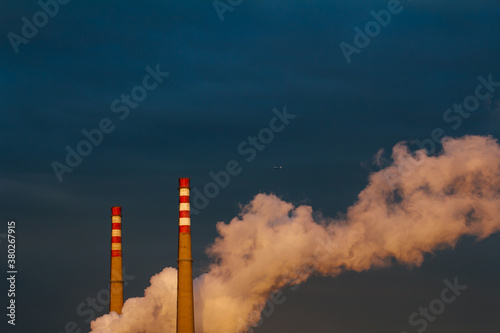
(116, 281)
(185, 308)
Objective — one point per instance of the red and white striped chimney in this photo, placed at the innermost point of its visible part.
(116, 278)
(185, 306)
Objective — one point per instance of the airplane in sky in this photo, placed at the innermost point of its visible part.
(278, 167)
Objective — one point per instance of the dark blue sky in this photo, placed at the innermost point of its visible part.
(225, 78)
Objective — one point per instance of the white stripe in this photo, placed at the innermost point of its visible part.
(183, 191)
(116, 246)
(116, 233)
(184, 206)
(116, 219)
(184, 221)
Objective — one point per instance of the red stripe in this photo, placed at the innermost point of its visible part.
(184, 198)
(183, 182)
(184, 213)
(116, 226)
(116, 253)
(116, 211)
(184, 229)
(116, 239)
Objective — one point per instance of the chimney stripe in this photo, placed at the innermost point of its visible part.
(184, 206)
(184, 213)
(116, 211)
(185, 229)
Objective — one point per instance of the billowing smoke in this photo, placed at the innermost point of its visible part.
(416, 205)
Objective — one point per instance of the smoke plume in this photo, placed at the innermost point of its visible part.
(414, 206)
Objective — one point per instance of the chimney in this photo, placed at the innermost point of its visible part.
(116, 281)
(185, 308)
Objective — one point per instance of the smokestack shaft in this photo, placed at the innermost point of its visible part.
(116, 279)
(185, 307)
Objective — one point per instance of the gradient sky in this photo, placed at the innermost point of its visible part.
(226, 77)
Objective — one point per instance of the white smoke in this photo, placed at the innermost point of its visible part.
(416, 205)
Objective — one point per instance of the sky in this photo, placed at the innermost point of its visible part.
(319, 87)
